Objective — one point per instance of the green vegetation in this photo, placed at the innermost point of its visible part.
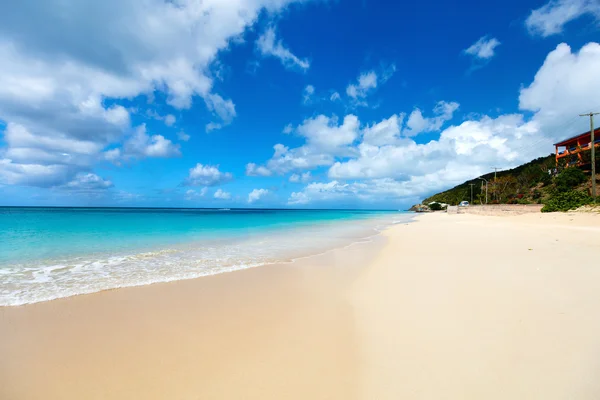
(566, 194)
(436, 207)
(565, 201)
(569, 179)
(527, 184)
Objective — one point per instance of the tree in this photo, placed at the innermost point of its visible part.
(502, 187)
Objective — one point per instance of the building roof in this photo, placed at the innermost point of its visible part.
(571, 139)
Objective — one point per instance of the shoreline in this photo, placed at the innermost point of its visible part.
(447, 306)
(363, 229)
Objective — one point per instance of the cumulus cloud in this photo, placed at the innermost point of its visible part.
(484, 48)
(417, 123)
(256, 195)
(565, 86)
(325, 138)
(301, 178)
(257, 170)
(66, 64)
(268, 45)
(384, 132)
(222, 195)
(207, 175)
(143, 145)
(551, 18)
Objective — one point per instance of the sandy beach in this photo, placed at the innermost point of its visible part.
(446, 307)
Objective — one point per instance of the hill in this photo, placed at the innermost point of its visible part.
(526, 184)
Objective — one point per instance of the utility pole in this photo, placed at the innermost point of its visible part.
(471, 184)
(495, 171)
(593, 149)
(486, 187)
(495, 187)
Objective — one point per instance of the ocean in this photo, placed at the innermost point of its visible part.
(49, 253)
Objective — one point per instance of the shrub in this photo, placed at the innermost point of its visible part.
(546, 179)
(565, 201)
(436, 207)
(569, 179)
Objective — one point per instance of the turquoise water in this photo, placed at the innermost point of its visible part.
(47, 253)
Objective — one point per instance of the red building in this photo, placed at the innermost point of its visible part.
(573, 149)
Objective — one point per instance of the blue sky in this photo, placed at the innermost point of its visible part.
(283, 103)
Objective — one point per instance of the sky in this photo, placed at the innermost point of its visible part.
(283, 103)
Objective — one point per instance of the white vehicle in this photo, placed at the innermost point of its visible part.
(464, 204)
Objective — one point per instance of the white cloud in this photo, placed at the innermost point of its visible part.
(335, 96)
(477, 144)
(301, 178)
(307, 94)
(193, 194)
(257, 170)
(366, 82)
(289, 128)
(417, 123)
(268, 45)
(207, 175)
(372, 191)
(221, 195)
(65, 63)
(257, 194)
(327, 135)
(384, 132)
(184, 137)
(34, 174)
(325, 138)
(141, 145)
(551, 18)
(224, 109)
(565, 86)
(170, 119)
(484, 48)
(88, 182)
(213, 126)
